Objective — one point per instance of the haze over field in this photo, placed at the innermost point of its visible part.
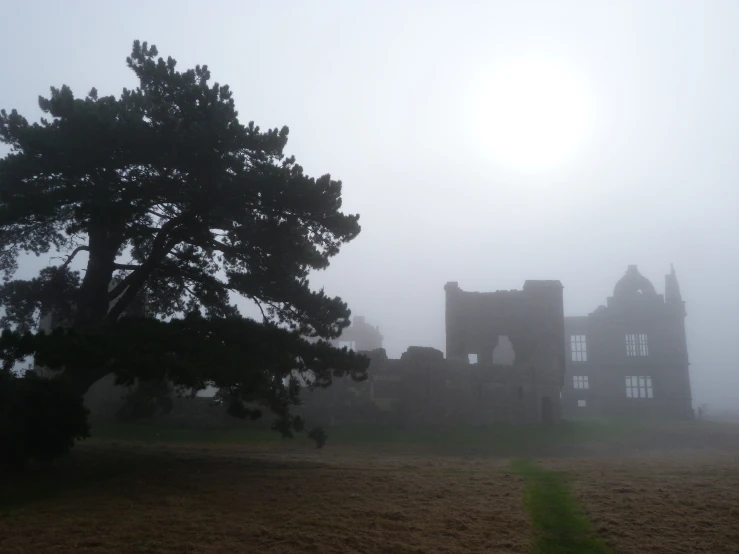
(481, 142)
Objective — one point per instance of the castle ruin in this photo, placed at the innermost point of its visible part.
(630, 357)
(505, 361)
(512, 356)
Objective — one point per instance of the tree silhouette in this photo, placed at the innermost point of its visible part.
(178, 207)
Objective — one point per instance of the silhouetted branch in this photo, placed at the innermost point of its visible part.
(73, 254)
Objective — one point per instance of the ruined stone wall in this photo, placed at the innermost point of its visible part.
(533, 320)
(424, 388)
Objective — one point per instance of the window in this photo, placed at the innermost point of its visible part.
(639, 387)
(579, 348)
(636, 345)
(472, 358)
(580, 382)
(582, 403)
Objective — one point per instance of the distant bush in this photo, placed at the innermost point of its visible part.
(40, 419)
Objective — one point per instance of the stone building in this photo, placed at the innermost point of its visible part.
(505, 363)
(360, 336)
(486, 326)
(629, 357)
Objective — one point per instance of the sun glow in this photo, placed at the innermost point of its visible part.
(534, 114)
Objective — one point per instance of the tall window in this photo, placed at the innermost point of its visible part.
(636, 345)
(639, 387)
(580, 382)
(579, 348)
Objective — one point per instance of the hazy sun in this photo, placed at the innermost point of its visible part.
(534, 113)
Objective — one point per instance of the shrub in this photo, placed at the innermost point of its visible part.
(40, 419)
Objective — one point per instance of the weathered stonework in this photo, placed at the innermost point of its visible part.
(518, 338)
(630, 357)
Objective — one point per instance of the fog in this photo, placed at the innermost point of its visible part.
(406, 103)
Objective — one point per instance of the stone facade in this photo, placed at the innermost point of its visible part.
(629, 357)
(505, 362)
(532, 321)
(360, 336)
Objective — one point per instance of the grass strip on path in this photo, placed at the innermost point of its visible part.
(563, 527)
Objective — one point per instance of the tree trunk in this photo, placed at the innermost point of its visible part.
(93, 302)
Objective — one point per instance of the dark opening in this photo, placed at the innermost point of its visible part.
(503, 353)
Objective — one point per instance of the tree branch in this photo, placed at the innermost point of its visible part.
(126, 267)
(148, 265)
(259, 305)
(162, 247)
(120, 287)
(73, 254)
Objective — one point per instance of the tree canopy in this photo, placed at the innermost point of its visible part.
(178, 207)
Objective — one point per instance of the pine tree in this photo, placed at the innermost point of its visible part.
(172, 200)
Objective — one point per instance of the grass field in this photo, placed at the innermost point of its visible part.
(562, 525)
(584, 487)
(504, 439)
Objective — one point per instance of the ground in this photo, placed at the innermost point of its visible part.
(585, 488)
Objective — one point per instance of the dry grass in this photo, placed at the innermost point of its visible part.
(237, 500)
(660, 503)
(277, 497)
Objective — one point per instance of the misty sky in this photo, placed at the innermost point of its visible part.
(410, 104)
